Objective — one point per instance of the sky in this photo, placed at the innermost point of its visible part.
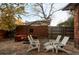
(58, 17)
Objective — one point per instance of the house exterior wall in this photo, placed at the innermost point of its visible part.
(76, 27)
(75, 8)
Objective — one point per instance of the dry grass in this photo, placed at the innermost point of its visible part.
(11, 47)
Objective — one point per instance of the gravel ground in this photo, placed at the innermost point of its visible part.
(11, 47)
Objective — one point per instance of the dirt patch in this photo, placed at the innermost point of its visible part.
(11, 47)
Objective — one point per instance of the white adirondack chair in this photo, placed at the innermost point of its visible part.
(53, 41)
(60, 45)
(48, 45)
(33, 39)
(33, 44)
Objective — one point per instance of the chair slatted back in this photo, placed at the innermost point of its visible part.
(65, 40)
(29, 39)
(58, 38)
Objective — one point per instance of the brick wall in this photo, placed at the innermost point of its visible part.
(76, 28)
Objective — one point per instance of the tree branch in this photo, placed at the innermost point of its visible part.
(51, 9)
(36, 15)
(54, 12)
(42, 8)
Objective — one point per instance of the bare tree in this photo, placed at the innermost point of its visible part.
(41, 10)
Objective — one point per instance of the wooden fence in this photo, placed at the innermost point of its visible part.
(39, 32)
(64, 31)
(42, 32)
(2, 35)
